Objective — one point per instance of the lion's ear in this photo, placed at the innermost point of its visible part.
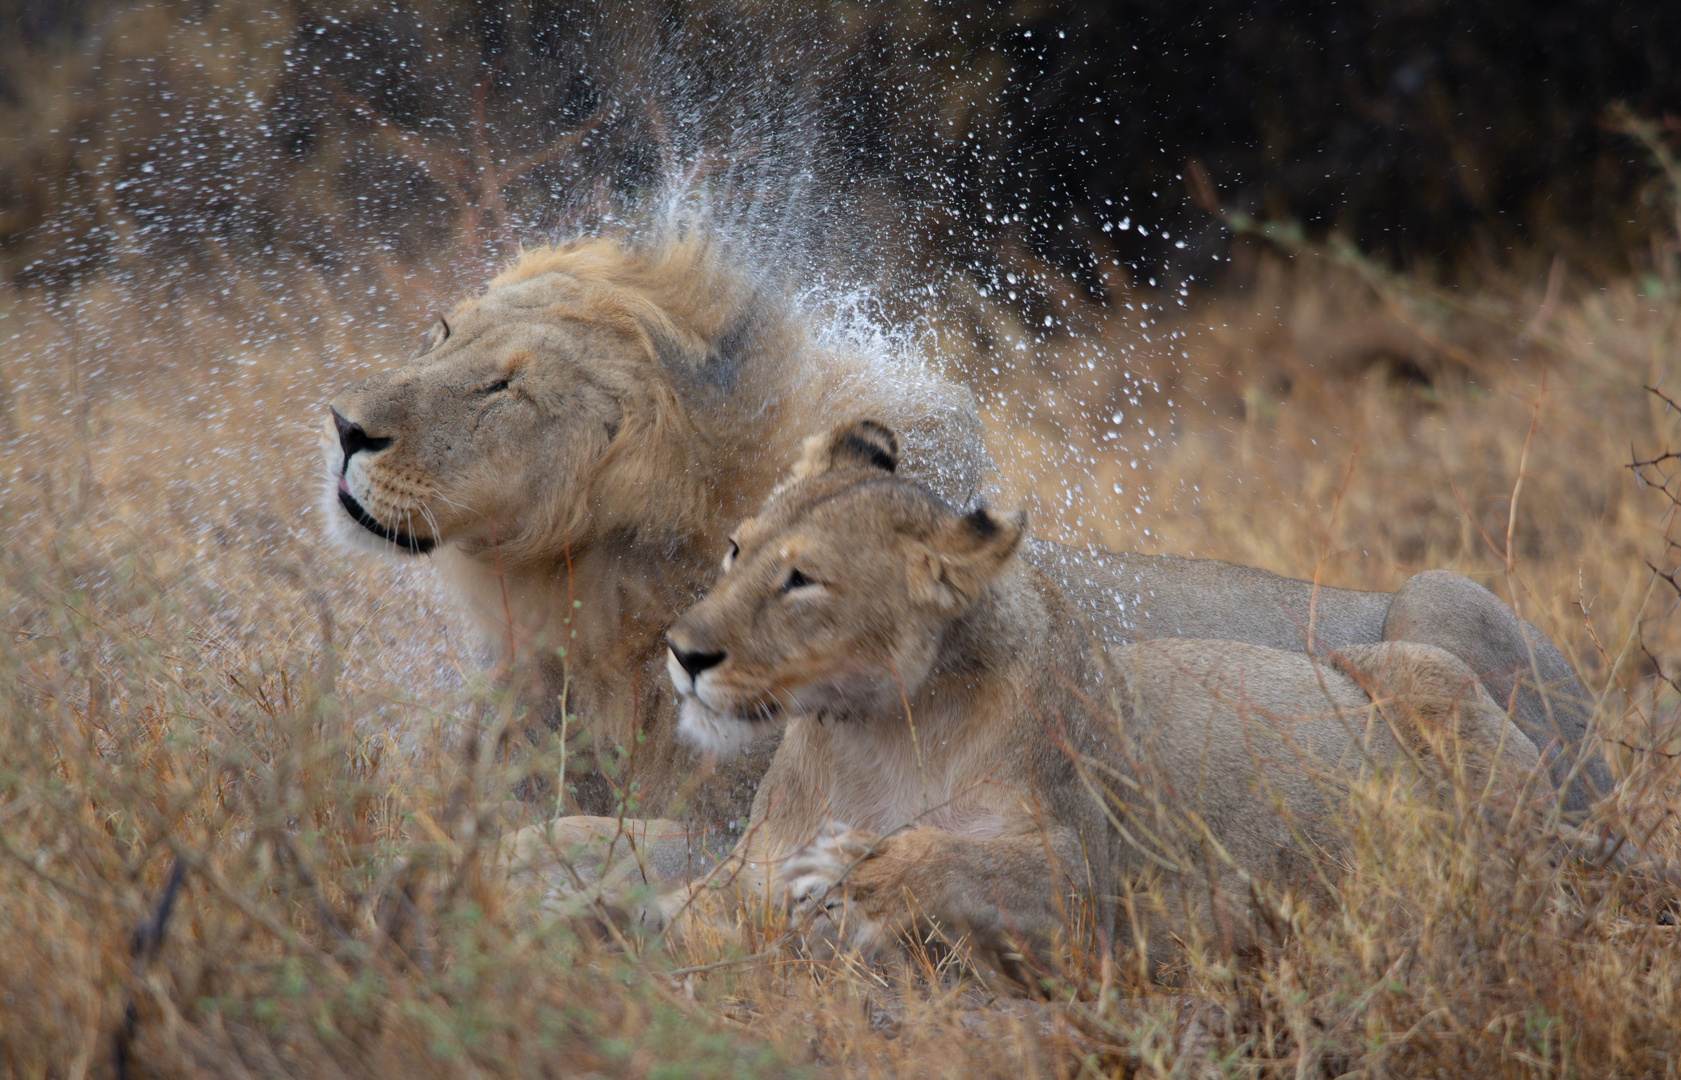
(690, 359)
(860, 444)
(965, 553)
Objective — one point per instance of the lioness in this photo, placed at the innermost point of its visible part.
(572, 447)
(997, 768)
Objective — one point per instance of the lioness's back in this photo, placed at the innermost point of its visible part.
(1139, 597)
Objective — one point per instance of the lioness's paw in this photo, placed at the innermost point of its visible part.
(814, 870)
(813, 882)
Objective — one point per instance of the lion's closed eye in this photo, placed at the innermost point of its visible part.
(797, 580)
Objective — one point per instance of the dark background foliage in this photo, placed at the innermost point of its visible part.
(1416, 127)
(1426, 131)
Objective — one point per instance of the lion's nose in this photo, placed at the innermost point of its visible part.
(693, 660)
(352, 436)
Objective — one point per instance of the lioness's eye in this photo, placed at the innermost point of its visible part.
(495, 387)
(796, 580)
(729, 557)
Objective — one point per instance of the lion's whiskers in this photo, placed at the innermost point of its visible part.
(431, 521)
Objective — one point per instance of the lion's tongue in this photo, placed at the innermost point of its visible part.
(344, 485)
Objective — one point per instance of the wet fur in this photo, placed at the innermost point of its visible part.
(654, 399)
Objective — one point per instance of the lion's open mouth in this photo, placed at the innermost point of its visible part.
(418, 545)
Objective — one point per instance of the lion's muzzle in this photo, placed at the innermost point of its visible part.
(354, 439)
(419, 545)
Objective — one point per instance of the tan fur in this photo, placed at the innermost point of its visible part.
(963, 754)
(653, 399)
(655, 396)
(1436, 708)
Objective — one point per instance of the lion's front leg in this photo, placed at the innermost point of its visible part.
(1007, 898)
(573, 853)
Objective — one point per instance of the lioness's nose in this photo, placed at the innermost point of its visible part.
(352, 437)
(693, 660)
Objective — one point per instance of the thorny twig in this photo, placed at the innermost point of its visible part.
(147, 938)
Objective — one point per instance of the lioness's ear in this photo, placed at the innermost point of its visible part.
(861, 444)
(965, 553)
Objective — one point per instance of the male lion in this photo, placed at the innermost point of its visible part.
(999, 768)
(573, 445)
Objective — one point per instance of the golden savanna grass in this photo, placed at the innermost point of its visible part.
(189, 678)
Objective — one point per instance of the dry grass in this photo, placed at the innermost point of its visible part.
(187, 677)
